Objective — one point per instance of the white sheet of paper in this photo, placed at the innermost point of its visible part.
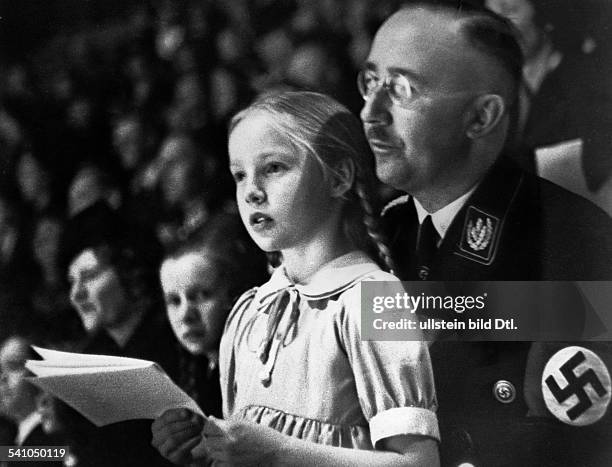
(107, 389)
(83, 359)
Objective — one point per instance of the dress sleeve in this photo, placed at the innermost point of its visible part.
(227, 363)
(394, 379)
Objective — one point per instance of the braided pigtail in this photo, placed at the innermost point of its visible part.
(371, 224)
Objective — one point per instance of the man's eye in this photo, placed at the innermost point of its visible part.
(370, 81)
(400, 87)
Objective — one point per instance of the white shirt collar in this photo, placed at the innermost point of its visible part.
(27, 426)
(331, 279)
(443, 218)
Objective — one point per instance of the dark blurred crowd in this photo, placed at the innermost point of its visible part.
(136, 114)
(112, 157)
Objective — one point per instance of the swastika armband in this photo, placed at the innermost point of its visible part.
(576, 386)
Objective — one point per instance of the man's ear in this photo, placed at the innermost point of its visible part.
(487, 112)
(343, 177)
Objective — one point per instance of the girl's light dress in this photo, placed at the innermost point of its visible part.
(292, 359)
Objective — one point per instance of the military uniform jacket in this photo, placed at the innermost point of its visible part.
(515, 226)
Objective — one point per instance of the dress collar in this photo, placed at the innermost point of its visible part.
(279, 299)
(331, 279)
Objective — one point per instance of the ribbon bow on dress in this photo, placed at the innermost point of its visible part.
(280, 300)
(287, 300)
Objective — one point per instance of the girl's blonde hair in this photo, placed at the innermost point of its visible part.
(322, 127)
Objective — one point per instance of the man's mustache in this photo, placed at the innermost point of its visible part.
(381, 135)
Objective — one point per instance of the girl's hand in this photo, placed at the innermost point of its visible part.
(175, 433)
(241, 443)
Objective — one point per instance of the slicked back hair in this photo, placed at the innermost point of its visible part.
(489, 33)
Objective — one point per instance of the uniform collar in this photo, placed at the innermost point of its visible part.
(331, 279)
(477, 229)
(443, 217)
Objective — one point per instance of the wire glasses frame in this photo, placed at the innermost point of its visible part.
(396, 85)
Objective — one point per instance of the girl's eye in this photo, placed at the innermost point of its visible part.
(173, 300)
(238, 176)
(273, 168)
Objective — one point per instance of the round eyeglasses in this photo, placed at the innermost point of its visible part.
(396, 85)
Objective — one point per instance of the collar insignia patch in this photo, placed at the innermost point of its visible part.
(479, 236)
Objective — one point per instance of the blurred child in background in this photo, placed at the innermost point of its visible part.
(201, 278)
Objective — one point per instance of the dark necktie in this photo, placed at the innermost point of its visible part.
(427, 244)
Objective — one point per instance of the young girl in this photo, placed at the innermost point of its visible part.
(200, 279)
(299, 385)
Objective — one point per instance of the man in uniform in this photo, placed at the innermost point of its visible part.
(440, 87)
